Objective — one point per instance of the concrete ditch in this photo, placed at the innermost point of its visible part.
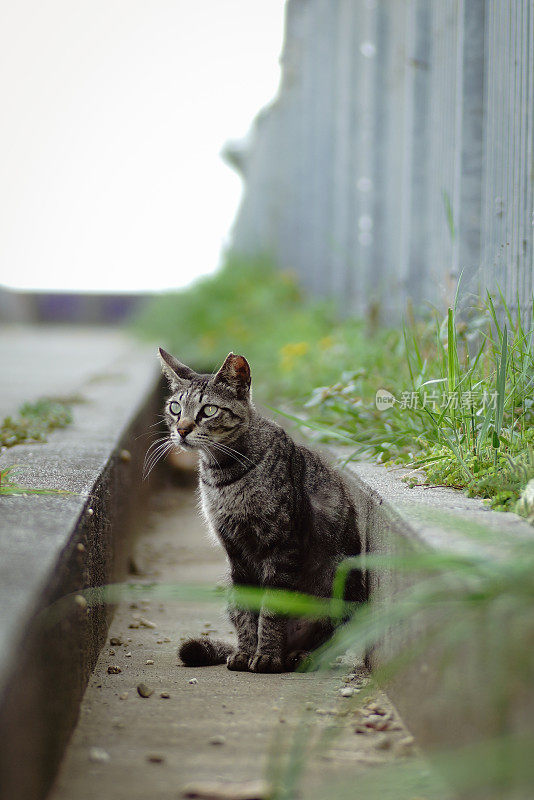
(55, 545)
(449, 695)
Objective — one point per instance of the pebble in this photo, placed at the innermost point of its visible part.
(115, 641)
(133, 625)
(80, 547)
(374, 708)
(155, 758)
(114, 669)
(165, 695)
(90, 512)
(382, 742)
(80, 601)
(405, 747)
(149, 661)
(309, 706)
(166, 639)
(112, 652)
(218, 739)
(228, 790)
(125, 456)
(123, 696)
(144, 690)
(127, 655)
(146, 623)
(98, 755)
(347, 691)
(192, 680)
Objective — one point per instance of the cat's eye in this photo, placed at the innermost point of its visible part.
(209, 411)
(175, 408)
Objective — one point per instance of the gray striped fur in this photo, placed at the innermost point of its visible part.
(284, 516)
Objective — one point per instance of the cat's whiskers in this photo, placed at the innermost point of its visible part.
(232, 451)
(212, 455)
(155, 453)
(225, 450)
(165, 448)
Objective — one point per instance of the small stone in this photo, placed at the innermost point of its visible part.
(146, 623)
(309, 706)
(113, 669)
(90, 512)
(80, 601)
(80, 547)
(125, 456)
(405, 747)
(155, 758)
(165, 695)
(166, 639)
(115, 641)
(112, 652)
(227, 790)
(347, 691)
(149, 661)
(217, 740)
(133, 625)
(123, 696)
(127, 655)
(98, 755)
(144, 690)
(374, 708)
(159, 641)
(382, 742)
(192, 681)
(361, 729)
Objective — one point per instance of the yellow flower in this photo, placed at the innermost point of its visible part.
(291, 352)
(326, 343)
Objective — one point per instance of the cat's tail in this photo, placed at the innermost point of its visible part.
(204, 652)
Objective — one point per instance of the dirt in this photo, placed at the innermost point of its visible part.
(151, 728)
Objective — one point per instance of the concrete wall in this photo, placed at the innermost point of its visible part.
(399, 151)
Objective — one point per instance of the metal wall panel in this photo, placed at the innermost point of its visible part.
(399, 152)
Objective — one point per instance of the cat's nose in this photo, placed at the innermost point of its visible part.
(186, 426)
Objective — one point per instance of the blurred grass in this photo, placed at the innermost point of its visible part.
(463, 411)
(294, 343)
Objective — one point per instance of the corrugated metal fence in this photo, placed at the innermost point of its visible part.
(399, 151)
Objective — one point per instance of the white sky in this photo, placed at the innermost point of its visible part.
(113, 115)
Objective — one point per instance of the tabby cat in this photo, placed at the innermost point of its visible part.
(284, 516)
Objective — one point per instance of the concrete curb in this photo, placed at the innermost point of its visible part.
(446, 695)
(54, 546)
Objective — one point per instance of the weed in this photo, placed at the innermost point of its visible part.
(35, 421)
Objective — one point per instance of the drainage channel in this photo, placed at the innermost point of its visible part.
(201, 730)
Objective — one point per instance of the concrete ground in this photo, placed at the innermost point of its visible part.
(210, 724)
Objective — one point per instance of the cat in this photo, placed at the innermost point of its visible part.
(284, 516)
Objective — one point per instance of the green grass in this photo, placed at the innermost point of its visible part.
(464, 407)
(9, 486)
(34, 421)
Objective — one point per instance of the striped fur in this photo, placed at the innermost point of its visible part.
(284, 516)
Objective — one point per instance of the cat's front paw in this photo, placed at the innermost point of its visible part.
(239, 661)
(263, 663)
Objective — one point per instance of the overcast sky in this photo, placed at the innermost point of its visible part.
(114, 113)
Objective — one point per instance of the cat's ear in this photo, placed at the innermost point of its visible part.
(176, 372)
(236, 372)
